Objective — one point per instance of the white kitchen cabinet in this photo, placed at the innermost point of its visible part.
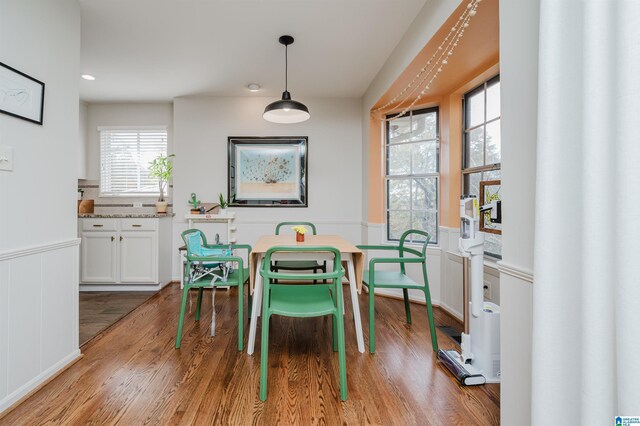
(122, 253)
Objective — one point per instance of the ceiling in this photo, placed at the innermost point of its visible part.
(155, 50)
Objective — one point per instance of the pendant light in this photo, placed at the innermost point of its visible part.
(286, 110)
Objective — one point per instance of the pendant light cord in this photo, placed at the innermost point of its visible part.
(286, 68)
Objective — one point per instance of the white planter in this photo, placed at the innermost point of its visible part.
(161, 206)
(223, 212)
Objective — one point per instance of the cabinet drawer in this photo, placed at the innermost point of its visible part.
(99, 224)
(138, 224)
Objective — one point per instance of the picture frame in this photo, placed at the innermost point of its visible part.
(21, 95)
(267, 171)
(489, 191)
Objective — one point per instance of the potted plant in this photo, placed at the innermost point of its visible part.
(223, 204)
(161, 168)
(300, 231)
(195, 204)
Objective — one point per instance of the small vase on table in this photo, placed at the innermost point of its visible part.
(299, 237)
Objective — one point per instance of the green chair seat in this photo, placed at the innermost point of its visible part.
(302, 265)
(390, 279)
(373, 278)
(301, 301)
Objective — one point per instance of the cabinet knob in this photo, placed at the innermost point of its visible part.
(136, 226)
(113, 238)
(97, 226)
(121, 238)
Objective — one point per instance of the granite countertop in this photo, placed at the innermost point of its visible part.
(123, 215)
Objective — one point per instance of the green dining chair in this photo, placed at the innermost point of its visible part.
(210, 265)
(298, 265)
(303, 300)
(373, 279)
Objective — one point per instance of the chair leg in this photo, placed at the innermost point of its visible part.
(432, 326)
(199, 304)
(342, 361)
(407, 307)
(183, 308)
(264, 355)
(249, 300)
(240, 317)
(334, 323)
(372, 336)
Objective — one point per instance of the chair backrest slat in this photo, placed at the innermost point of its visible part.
(309, 224)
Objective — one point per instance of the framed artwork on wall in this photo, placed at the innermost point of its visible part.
(268, 171)
(489, 191)
(21, 96)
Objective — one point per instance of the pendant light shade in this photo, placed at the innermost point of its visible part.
(286, 110)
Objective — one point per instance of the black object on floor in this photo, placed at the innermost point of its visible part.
(452, 333)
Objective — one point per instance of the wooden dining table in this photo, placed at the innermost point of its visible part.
(351, 256)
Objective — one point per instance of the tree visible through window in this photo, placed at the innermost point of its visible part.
(482, 146)
(412, 174)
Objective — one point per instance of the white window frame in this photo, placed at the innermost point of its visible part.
(434, 241)
(138, 194)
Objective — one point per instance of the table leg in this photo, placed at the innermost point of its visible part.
(353, 286)
(255, 309)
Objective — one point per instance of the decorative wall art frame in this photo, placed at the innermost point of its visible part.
(489, 191)
(21, 96)
(268, 171)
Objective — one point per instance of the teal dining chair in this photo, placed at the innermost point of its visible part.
(303, 300)
(373, 279)
(210, 265)
(298, 265)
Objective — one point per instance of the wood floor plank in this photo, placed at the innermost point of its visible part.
(132, 375)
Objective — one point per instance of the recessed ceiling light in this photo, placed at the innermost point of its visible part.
(88, 77)
(253, 87)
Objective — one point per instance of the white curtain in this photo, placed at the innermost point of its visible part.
(586, 332)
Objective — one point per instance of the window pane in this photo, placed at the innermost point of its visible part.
(426, 221)
(399, 193)
(425, 193)
(491, 175)
(493, 101)
(399, 159)
(400, 130)
(475, 109)
(475, 148)
(425, 157)
(398, 223)
(493, 244)
(425, 126)
(493, 142)
(472, 184)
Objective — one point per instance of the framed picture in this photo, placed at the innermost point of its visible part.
(21, 96)
(268, 171)
(489, 191)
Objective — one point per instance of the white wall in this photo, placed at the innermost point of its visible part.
(519, 98)
(82, 140)
(201, 128)
(122, 114)
(38, 244)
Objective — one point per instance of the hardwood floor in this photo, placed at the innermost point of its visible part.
(100, 309)
(132, 375)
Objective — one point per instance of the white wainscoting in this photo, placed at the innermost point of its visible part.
(38, 316)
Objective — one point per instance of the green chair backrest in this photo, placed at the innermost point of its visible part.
(334, 277)
(292, 224)
(420, 253)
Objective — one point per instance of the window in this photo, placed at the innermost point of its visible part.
(413, 167)
(482, 146)
(124, 160)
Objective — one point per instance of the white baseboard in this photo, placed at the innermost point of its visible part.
(124, 287)
(41, 378)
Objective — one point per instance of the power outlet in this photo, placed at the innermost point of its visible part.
(487, 290)
(6, 158)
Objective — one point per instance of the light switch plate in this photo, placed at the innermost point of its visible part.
(6, 158)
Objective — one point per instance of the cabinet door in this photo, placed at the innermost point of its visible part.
(138, 257)
(99, 260)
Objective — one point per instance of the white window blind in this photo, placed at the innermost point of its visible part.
(124, 160)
